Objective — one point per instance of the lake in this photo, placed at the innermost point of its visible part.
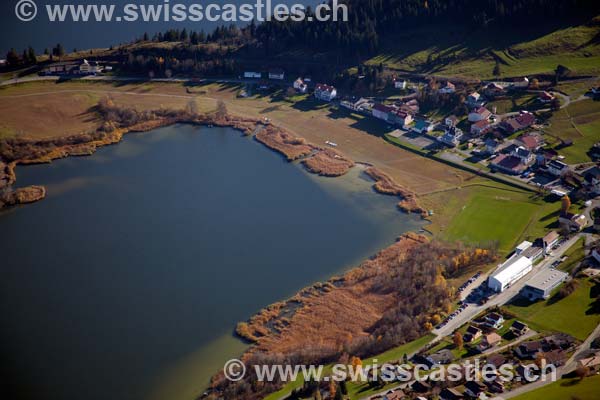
(127, 281)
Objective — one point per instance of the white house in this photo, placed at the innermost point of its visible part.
(87, 68)
(252, 75)
(527, 157)
(452, 137)
(2, 63)
(400, 84)
(557, 168)
(325, 92)
(401, 118)
(277, 74)
(510, 272)
(300, 86)
(479, 114)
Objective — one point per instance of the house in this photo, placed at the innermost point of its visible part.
(479, 114)
(451, 137)
(451, 121)
(525, 373)
(557, 168)
(2, 63)
(325, 92)
(300, 86)
(528, 350)
(593, 363)
(419, 359)
(400, 84)
(492, 146)
(508, 164)
(474, 388)
(394, 395)
(527, 157)
(420, 386)
(497, 360)
(423, 126)
(448, 88)
(475, 100)
(89, 68)
(490, 340)
(544, 156)
(480, 127)
(592, 179)
(382, 112)
(493, 90)
(494, 320)
(277, 74)
(496, 386)
(451, 394)
(519, 123)
(550, 240)
(530, 141)
(473, 333)
(442, 357)
(574, 222)
(518, 328)
(556, 358)
(252, 75)
(546, 97)
(401, 118)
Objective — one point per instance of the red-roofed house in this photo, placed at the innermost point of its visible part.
(479, 114)
(480, 127)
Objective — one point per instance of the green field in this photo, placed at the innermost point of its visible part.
(565, 389)
(495, 215)
(574, 255)
(580, 122)
(570, 315)
(455, 51)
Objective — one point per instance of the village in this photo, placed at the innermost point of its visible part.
(513, 148)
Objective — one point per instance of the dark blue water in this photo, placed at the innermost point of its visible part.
(41, 33)
(128, 280)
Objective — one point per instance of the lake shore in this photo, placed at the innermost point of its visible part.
(318, 160)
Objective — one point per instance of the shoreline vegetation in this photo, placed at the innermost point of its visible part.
(390, 299)
(327, 311)
(119, 121)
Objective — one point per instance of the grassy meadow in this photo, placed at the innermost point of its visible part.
(457, 51)
(573, 314)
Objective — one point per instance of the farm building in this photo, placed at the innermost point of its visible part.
(508, 273)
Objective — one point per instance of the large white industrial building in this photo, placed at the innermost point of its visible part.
(508, 273)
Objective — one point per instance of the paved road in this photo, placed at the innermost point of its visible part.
(569, 366)
(502, 298)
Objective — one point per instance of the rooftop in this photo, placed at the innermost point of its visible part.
(547, 279)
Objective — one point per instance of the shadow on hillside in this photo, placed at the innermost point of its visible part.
(448, 44)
